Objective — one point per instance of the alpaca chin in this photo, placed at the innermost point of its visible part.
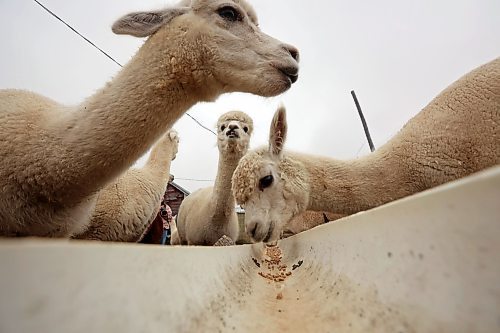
(234, 146)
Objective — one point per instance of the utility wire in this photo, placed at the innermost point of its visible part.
(79, 34)
(208, 129)
(195, 180)
(107, 55)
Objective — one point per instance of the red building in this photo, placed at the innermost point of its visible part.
(174, 195)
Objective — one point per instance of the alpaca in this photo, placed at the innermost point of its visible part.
(126, 207)
(55, 158)
(455, 135)
(209, 213)
(307, 220)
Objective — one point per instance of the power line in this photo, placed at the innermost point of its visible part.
(106, 54)
(208, 129)
(359, 150)
(195, 180)
(79, 34)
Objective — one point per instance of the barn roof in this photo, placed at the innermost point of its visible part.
(180, 188)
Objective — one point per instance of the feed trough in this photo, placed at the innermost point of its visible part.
(426, 263)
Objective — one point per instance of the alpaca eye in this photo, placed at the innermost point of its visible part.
(245, 129)
(222, 128)
(265, 182)
(229, 13)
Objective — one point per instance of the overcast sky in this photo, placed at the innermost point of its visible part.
(397, 55)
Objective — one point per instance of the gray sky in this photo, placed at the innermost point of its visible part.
(397, 55)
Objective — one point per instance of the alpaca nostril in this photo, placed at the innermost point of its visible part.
(294, 52)
(253, 231)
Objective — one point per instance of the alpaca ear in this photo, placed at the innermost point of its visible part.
(143, 24)
(277, 133)
(173, 135)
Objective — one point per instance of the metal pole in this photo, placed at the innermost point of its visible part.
(363, 121)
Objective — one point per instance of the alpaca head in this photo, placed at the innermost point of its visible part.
(234, 129)
(219, 42)
(173, 138)
(272, 187)
(166, 148)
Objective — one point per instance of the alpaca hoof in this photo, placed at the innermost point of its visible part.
(272, 244)
(224, 241)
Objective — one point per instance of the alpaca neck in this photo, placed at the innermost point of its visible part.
(158, 164)
(347, 187)
(108, 132)
(222, 198)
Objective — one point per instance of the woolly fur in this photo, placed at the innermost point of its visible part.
(126, 207)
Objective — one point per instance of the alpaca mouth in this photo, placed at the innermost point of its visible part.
(291, 72)
(232, 135)
(269, 233)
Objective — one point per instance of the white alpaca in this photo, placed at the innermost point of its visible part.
(55, 158)
(457, 134)
(126, 207)
(209, 213)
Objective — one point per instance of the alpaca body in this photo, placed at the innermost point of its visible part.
(126, 207)
(209, 213)
(198, 222)
(54, 159)
(456, 134)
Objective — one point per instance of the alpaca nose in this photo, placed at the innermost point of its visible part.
(231, 131)
(294, 52)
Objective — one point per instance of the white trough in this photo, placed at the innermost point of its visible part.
(427, 263)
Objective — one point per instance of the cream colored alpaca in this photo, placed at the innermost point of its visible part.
(126, 207)
(457, 134)
(55, 158)
(209, 213)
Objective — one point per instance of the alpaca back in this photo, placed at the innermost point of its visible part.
(125, 208)
(456, 134)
